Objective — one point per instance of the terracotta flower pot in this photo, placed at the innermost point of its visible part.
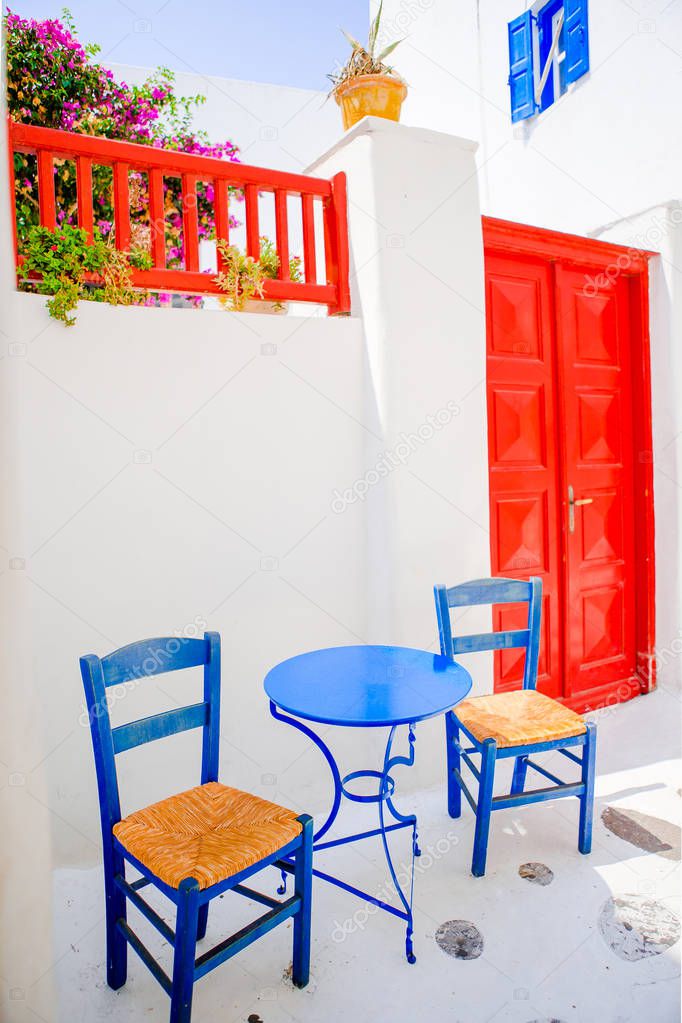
(370, 96)
(256, 305)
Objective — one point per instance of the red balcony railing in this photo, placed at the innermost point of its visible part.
(227, 178)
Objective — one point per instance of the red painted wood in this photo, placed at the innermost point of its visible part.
(597, 419)
(645, 567)
(187, 282)
(282, 234)
(595, 389)
(336, 243)
(46, 200)
(309, 255)
(341, 250)
(524, 514)
(27, 138)
(84, 194)
(570, 248)
(12, 200)
(124, 156)
(252, 228)
(190, 223)
(157, 218)
(121, 207)
(222, 215)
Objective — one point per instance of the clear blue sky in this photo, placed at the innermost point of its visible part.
(290, 42)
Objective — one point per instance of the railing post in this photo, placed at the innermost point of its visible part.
(252, 228)
(336, 244)
(282, 233)
(190, 224)
(222, 213)
(309, 257)
(46, 200)
(121, 207)
(157, 218)
(84, 194)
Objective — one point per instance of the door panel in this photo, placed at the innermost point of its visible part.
(522, 445)
(560, 410)
(595, 388)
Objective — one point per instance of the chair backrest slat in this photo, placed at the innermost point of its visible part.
(138, 661)
(490, 641)
(493, 591)
(158, 726)
(489, 591)
(152, 657)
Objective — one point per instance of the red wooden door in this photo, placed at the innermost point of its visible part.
(560, 416)
(524, 512)
(595, 388)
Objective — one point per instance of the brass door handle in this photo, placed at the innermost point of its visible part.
(572, 502)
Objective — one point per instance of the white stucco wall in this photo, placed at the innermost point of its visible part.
(417, 282)
(607, 149)
(177, 468)
(26, 854)
(607, 153)
(174, 470)
(274, 126)
(170, 470)
(660, 229)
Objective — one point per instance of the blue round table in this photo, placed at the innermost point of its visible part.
(367, 687)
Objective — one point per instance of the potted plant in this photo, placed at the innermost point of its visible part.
(269, 261)
(242, 277)
(365, 86)
(63, 264)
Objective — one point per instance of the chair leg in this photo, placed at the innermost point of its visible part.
(187, 922)
(453, 764)
(202, 921)
(519, 776)
(117, 946)
(303, 887)
(587, 798)
(484, 807)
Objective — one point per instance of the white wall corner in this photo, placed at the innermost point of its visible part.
(26, 952)
(418, 285)
(659, 229)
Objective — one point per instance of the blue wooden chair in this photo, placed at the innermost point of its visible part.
(192, 846)
(512, 724)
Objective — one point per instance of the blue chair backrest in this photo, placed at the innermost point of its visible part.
(493, 591)
(136, 662)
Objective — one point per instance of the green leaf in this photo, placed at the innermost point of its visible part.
(354, 43)
(389, 49)
(374, 30)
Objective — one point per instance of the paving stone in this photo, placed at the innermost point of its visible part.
(536, 873)
(635, 927)
(651, 834)
(460, 939)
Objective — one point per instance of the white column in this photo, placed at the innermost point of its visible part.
(418, 284)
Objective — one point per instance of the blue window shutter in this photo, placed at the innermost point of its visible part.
(577, 39)
(521, 80)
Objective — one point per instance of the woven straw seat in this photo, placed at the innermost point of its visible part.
(519, 718)
(210, 833)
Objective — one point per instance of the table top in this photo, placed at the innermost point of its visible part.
(367, 686)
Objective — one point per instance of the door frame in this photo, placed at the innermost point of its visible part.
(606, 260)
